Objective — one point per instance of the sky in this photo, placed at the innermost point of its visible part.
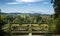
(26, 6)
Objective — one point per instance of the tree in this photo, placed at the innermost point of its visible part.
(18, 20)
(56, 6)
(2, 22)
(36, 18)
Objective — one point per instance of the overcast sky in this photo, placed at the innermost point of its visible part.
(26, 6)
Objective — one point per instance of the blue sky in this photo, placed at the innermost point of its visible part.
(26, 6)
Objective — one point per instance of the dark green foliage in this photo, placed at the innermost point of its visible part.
(18, 19)
(57, 15)
(2, 33)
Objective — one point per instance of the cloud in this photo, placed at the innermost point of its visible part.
(28, 0)
(13, 3)
(24, 1)
(45, 2)
(30, 4)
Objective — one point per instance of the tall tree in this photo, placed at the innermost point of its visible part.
(2, 22)
(56, 6)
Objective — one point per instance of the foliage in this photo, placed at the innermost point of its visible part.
(56, 6)
(33, 19)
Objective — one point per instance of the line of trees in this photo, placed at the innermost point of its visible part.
(17, 19)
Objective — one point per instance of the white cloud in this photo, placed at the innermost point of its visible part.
(13, 3)
(28, 0)
(45, 2)
(24, 1)
(30, 4)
